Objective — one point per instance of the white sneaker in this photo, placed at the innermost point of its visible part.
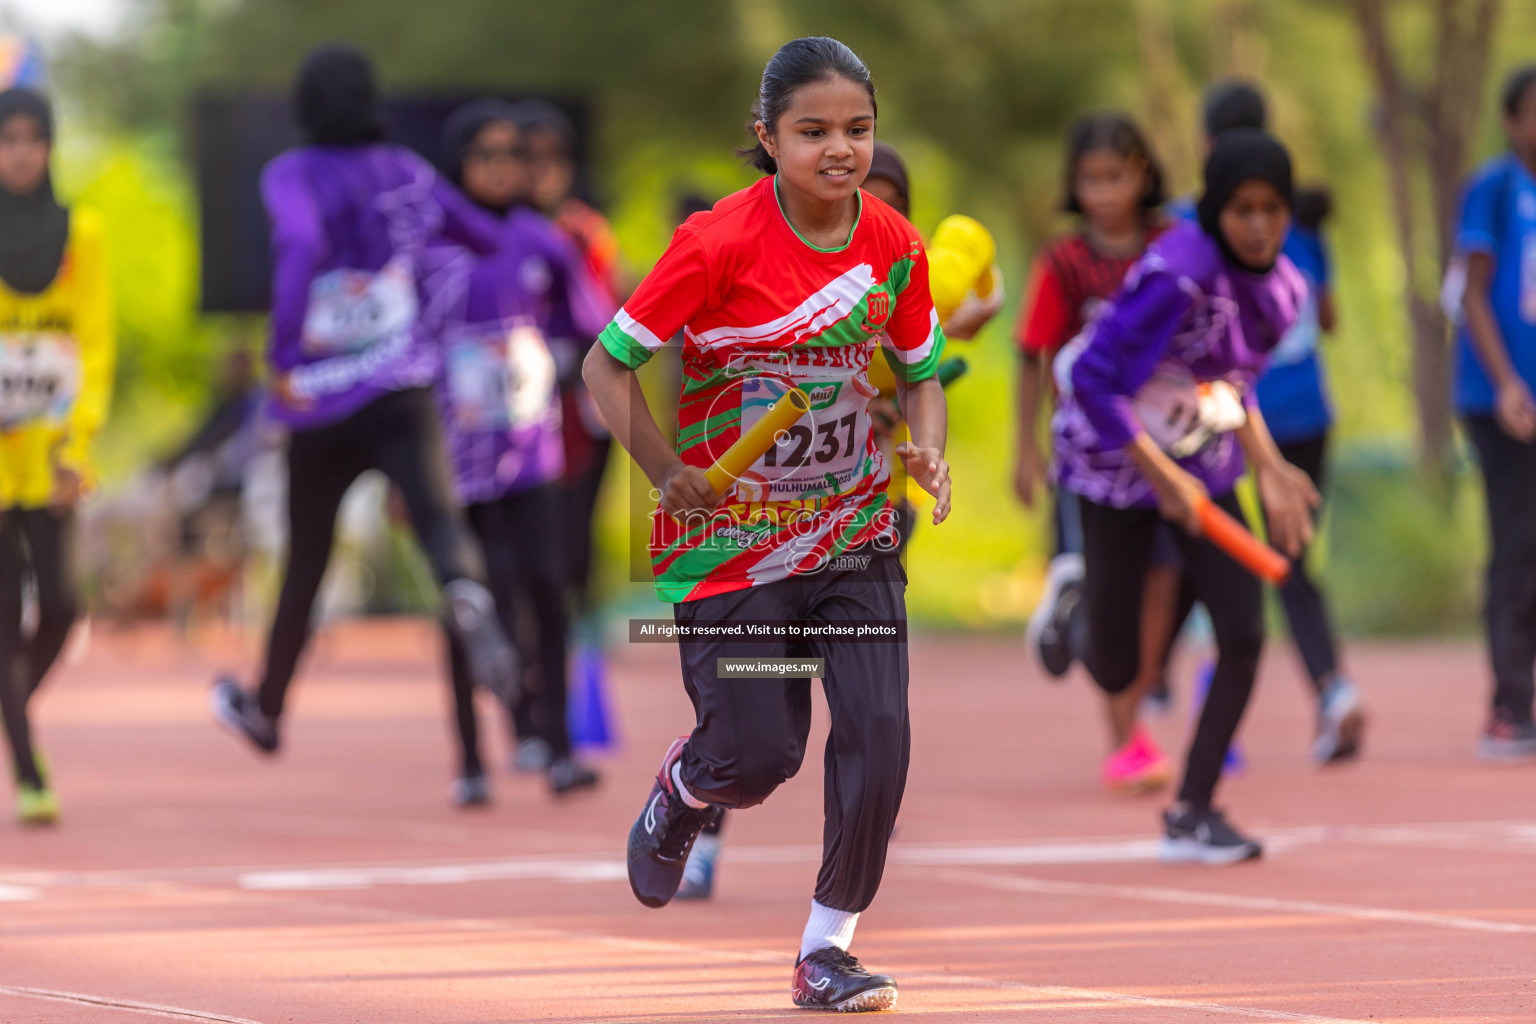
(1340, 723)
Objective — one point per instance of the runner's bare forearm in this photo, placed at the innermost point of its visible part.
(1482, 324)
(926, 411)
(1258, 444)
(1030, 375)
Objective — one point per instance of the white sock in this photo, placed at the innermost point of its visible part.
(827, 927)
(682, 790)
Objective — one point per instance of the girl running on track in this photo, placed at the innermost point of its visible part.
(56, 355)
(1114, 183)
(1293, 397)
(1495, 378)
(352, 369)
(501, 417)
(887, 181)
(1157, 413)
(786, 283)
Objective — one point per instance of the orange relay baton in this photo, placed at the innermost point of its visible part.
(752, 445)
(1247, 550)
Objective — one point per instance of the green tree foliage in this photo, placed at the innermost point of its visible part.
(977, 94)
(165, 350)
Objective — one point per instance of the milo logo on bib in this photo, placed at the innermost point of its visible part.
(822, 395)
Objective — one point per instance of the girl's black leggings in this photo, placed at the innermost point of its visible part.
(1305, 607)
(1117, 546)
(35, 544)
(398, 435)
(520, 535)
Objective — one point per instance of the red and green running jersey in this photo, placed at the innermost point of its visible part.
(762, 309)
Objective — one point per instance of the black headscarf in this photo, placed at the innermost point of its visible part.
(461, 128)
(887, 165)
(335, 97)
(1233, 104)
(1242, 154)
(541, 116)
(34, 228)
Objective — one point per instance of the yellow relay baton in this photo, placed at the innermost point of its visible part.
(753, 444)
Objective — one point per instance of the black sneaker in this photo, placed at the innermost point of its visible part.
(237, 711)
(1203, 837)
(1505, 740)
(531, 756)
(493, 662)
(1158, 701)
(833, 979)
(663, 835)
(1054, 628)
(470, 790)
(567, 775)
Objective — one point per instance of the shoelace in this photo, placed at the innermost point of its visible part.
(682, 824)
(832, 957)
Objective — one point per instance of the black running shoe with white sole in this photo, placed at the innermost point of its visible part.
(833, 979)
(1507, 741)
(1054, 628)
(663, 835)
(1204, 837)
(470, 791)
(531, 755)
(493, 661)
(567, 775)
(238, 712)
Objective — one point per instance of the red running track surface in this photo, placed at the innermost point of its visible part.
(334, 883)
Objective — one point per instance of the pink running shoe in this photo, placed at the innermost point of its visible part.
(1138, 767)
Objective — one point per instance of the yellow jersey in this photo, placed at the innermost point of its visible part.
(57, 351)
(959, 262)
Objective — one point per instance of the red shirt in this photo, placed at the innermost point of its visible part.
(760, 309)
(1067, 281)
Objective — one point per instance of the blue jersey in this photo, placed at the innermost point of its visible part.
(1291, 393)
(1498, 218)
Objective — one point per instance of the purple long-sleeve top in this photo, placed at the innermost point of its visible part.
(349, 224)
(1184, 314)
(501, 321)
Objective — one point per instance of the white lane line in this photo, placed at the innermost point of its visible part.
(590, 867)
(1470, 835)
(1158, 894)
(610, 869)
(150, 1009)
(443, 874)
(1121, 852)
(576, 869)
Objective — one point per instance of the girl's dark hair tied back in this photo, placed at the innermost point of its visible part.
(1117, 133)
(799, 62)
(1516, 86)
